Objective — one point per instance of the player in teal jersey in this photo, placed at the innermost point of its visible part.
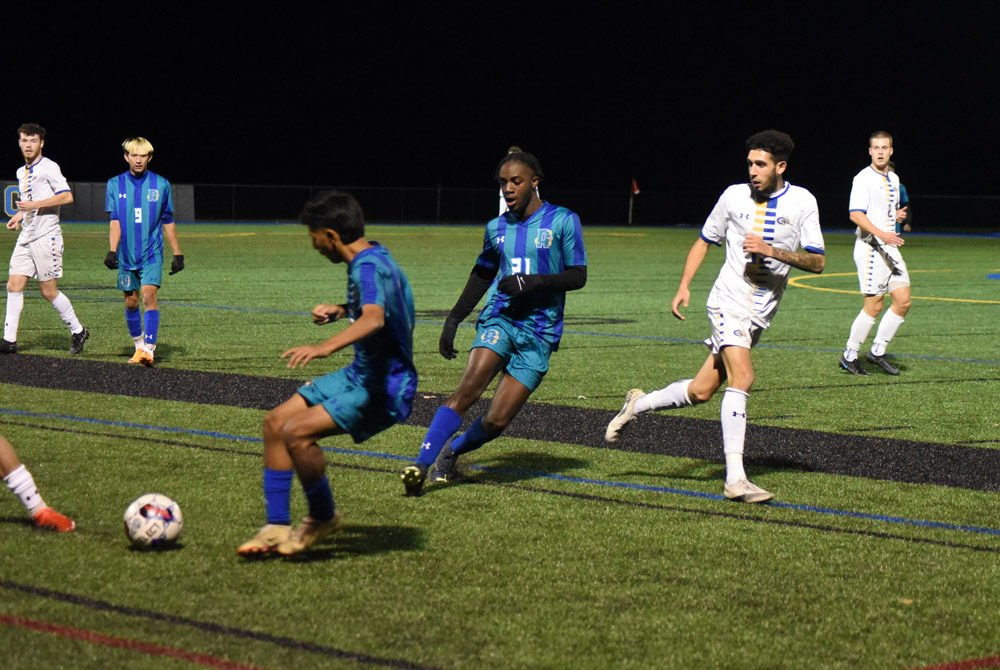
(537, 250)
(141, 208)
(371, 394)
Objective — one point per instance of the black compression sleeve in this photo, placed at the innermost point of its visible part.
(572, 278)
(479, 283)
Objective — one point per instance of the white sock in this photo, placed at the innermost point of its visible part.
(671, 397)
(23, 485)
(887, 328)
(859, 333)
(734, 428)
(65, 309)
(15, 303)
(139, 342)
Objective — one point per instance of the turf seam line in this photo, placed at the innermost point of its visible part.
(207, 626)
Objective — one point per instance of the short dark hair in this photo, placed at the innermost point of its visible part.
(30, 129)
(880, 133)
(774, 142)
(521, 157)
(337, 211)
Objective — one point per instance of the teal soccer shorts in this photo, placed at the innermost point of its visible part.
(348, 404)
(150, 274)
(526, 356)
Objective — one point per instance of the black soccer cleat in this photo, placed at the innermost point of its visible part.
(445, 469)
(413, 477)
(76, 341)
(8, 347)
(882, 362)
(854, 367)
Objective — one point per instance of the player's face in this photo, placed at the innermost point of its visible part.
(765, 174)
(325, 242)
(138, 163)
(31, 147)
(880, 150)
(518, 183)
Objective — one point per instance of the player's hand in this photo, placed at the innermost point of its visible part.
(906, 227)
(323, 314)
(901, 214)
(754, 244)
(26, 205)
(299, 356)
(177, 264)
(446, 345)
(13, 225)
(519, 283)
(111, 260)
(683, 296)
(892, 239)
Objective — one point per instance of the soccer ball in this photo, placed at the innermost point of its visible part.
(153, 520)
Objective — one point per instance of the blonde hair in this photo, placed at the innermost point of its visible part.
(137, 145)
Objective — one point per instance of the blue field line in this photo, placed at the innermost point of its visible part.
(983, 530)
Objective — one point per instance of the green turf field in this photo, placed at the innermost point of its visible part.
(556, 556)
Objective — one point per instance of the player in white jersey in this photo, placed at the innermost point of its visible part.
(874, 207)
(39, 249)
(764, 224)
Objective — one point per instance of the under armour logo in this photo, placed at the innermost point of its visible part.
(500, 239)
(425, 446)
(122, 195)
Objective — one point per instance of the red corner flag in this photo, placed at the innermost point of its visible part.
(635, 187)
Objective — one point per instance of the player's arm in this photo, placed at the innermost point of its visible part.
(694, 260)
(64, 198)
(571, 279)
(475, 288)
(372, 319)
(114, 239)
(861, 220)
(15, 221)
(810, 261)
(323, 314)
(170, 232)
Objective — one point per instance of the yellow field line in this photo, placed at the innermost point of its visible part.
(797, 283)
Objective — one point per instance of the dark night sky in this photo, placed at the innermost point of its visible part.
(434, 95)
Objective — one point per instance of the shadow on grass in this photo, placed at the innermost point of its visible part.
(512, 467)
(357, 540)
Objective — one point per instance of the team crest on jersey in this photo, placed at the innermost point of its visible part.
(153, 195)
(739, 333)
(783, 221)
(544, 239)
(491, 336)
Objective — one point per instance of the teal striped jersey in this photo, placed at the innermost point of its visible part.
(141, 205)
(548, 242)
(383, 361)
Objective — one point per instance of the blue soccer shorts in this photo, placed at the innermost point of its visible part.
(526, 355)
(349, 404)
(150, 274)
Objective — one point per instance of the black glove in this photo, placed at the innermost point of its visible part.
(519, 283)
(177, 264)
(446, 345)
(111, 260)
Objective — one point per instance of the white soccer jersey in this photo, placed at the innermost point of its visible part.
(747, 283)
(38, 181)
(877, 195)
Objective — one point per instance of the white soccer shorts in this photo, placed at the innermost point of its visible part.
(881, 268)
(41, 258)
(731, 329)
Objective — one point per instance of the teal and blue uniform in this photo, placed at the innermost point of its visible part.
(141, 205)
(526, 328)
(376, 390)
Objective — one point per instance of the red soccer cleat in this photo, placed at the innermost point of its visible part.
(49, 519)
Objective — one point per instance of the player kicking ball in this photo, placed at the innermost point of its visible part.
(371, 394)
(763, 223)
(22, 484)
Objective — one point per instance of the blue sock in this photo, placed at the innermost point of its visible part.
(446, 421)
(320, 499)
(277, 495)
(471, 439)
(152, 325)
(134, 322)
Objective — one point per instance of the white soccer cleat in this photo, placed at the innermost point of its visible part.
(267, 539)
(308, 532)
(746, 491)
(624, 417)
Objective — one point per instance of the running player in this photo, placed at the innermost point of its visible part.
(22, 484)
(371, 394)
(141, 209)
(39, 249)
(764, 223)
(874, 207)
(537, 250)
